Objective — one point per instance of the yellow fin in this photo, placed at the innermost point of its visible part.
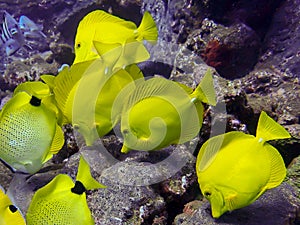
(205, 91)
(212, 146)
(172, 93)
(134, 71)
(85, 177)
(65, 83)
(110, 53)
(186, 88)
(277, 170)
(36, 88)
(147, 29)
(133, 52)
(99, 16)
(58, 140)
(268, 129)
(49, 80)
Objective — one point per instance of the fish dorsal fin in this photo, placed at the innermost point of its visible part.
(205, 91)
(49, 80)
(2, 195)
(155, 87)
(58, 140)
(268, 129)
(65, 85)
(277, 170)
(18, 100)
(58, 184)
(34, 88)
(212, 146)
(85, 177)
(100, 16)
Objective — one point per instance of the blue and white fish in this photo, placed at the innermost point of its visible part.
(31, 29)
(11, 36)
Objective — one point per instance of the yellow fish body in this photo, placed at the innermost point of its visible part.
(234, 169)
(69, 98)
(29, 133)
(100, 32)
(9, 213)
(63, 202)
(160, 112)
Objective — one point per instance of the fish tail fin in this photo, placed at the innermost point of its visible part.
(205, 91)
(85, 177)
(268, 129)
(147, 29)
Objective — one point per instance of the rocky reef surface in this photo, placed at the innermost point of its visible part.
(253, 47)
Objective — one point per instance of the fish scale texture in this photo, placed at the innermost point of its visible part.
(51, 209)
(21, 129)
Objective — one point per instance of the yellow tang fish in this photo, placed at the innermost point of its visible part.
(100, 32)
(29, 133)
(234, 169)
(63, 202)
(9, 213)
(160, 112)
(74, 98)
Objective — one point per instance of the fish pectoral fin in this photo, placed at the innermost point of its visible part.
(58, 140)
(11, 46)
(133, 52)
(109, 53)
(269, 129)
(231, 201)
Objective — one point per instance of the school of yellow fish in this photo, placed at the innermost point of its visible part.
(152, 114)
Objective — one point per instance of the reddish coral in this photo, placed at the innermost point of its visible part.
(216, 54)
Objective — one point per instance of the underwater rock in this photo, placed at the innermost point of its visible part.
(179, 189)
(293, 175)
(126, 200)
(256, 14)
(277, 206)
(6, 175)
(62, 54)
(232, 51)
(281, 44)
(20, 71)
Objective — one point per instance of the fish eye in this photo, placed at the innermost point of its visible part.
(207, 194)
(78, 45)
(13, 208)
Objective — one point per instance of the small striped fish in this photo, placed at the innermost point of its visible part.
(11, 36)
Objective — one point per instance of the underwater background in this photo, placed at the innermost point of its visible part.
(254, 48)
